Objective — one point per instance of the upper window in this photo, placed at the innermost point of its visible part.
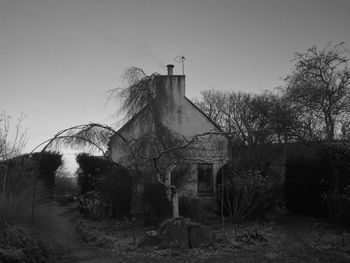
(205, 178)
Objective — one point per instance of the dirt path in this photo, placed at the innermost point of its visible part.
(80, 251)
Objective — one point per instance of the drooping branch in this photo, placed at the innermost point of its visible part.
(68, 138)
(93, 134)
(136, 93)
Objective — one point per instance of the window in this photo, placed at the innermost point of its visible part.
(205, 178)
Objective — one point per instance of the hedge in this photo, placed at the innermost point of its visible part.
(313, 181)
(305, 183)
(109, 180)
(40, 164)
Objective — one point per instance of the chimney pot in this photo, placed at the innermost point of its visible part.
(170, 69)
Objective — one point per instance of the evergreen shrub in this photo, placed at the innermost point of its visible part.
(337, 196)
(24, 170)
(40, 164)
(110, 181)
(317, 184)
(305, 182)
(48, 164)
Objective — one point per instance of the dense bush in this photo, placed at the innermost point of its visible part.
(194, 208)
(255, 157)
(116, 191)
(316, 184)
(92, 169)
(92, 206)
(40, 165)
(154, 201)
(245, 192)
(48, 163)
(111, 184)
(26, 247)
(304, 185)
(338, 187)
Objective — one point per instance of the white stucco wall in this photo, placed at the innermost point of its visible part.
(119, 149)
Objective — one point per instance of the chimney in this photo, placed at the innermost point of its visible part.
(170, 69)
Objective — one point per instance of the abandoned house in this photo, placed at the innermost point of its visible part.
(205, 146)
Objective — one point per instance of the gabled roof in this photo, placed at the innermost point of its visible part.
(205, 115)
(131, 120)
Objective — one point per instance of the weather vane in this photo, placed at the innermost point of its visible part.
(181, 59)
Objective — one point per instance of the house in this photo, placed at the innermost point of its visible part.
(204, 157)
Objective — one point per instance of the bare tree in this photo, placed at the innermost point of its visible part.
(284, 124)
(212, 103)
(319, 90)
(12, 143)
(249, 119)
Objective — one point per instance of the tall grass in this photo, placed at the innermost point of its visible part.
(42, 232)
(16, 207)
(21, 201)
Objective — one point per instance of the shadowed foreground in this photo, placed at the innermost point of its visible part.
(291, 240)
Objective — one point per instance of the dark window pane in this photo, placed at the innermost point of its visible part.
(205, 178)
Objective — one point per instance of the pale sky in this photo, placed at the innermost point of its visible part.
(59, 57)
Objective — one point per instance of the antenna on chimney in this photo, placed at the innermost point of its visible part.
(181, 59)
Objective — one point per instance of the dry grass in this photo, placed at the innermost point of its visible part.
(15, 207)
(19, 219)
(291, 240)
(16, 204)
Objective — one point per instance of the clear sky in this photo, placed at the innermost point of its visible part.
(59, 57)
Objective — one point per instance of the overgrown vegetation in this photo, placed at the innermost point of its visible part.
(155, 204)
(317, 184)
(24, 246)
(244, 191)
(40, 166)
(196, 209)
(337, 195)
(105, 186)
(30, 181)
(305, 183)
(313, 105)
(26, 219)
(312, 108)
